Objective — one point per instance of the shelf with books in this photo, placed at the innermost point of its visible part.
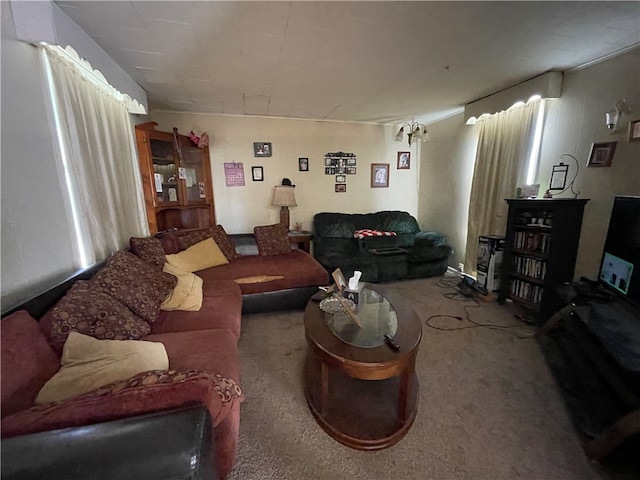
(540, 251)
(532, 241)
(525, 291)
(530, 267)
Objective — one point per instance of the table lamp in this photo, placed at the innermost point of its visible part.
(283, 196)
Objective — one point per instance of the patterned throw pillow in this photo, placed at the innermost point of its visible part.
(148, 249)
(222, 240)
(188, 239)
(93, 313)
(272, 239)
(170, 243)
(131, 281)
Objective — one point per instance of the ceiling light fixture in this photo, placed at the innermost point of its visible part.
(414, 130)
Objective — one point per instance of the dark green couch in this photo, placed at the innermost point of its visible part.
(411, 254)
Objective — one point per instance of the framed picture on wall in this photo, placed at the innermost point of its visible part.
(341, 187)
(404, 160)
(262, 149)
(601, 154)
(303, 164)
(634, 131)
(257, 175)
(379, 175)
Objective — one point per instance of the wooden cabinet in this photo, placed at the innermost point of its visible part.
(176, 178)
(540, 251)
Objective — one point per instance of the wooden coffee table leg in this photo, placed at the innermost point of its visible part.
(324, 388)
(405, 386)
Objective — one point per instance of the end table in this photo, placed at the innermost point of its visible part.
(302, 239)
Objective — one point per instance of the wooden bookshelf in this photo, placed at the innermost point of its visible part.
(540, 251)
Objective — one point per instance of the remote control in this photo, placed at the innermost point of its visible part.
(393, 345)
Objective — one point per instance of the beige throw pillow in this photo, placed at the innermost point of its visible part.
(204, 254)
(88, 363)
(187, 294)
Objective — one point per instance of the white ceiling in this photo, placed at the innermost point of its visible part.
(381, 62)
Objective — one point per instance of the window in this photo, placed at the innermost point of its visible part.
(96, 157)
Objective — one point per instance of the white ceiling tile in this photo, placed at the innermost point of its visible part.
(161, 77)
(352, 61)
(139, 60)
(256, 104)
(261, 45)
(269, 18)
(194, 72)
(193, 86)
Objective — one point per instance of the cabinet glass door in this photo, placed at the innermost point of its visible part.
(165, 171)
(193, 174)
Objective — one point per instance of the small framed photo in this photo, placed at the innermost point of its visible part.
(329, 170)
(601, 154)
(327, 162)
(634, 130)
(379, 175)
(262, 149)
(338, 277)
(341, 187)
(257, 175)
(303, 164)
(404, 160)
(341, 179)
(351, 170)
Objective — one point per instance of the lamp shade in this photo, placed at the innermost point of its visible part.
(283, 196)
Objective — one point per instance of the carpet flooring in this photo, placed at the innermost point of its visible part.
(488, 406)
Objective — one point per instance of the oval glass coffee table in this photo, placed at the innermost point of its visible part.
(362, 392)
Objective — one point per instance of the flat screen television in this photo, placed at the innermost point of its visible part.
(620, 265)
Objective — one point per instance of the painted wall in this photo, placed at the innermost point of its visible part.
(36, 236)
(577, 120)
(239, 209)
(573, 122)
(445, 181)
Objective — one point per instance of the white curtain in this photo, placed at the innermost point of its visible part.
(98, 160)
(504, 145)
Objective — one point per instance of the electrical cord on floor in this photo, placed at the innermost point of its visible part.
(459, 297)
(448, 282)
(502, 328)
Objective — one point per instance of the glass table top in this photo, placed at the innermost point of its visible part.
(376, 315)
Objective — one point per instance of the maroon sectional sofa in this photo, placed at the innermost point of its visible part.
(201, 347)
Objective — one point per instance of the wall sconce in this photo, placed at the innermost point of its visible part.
(283, 196)
(613, 115)
(414, 130)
